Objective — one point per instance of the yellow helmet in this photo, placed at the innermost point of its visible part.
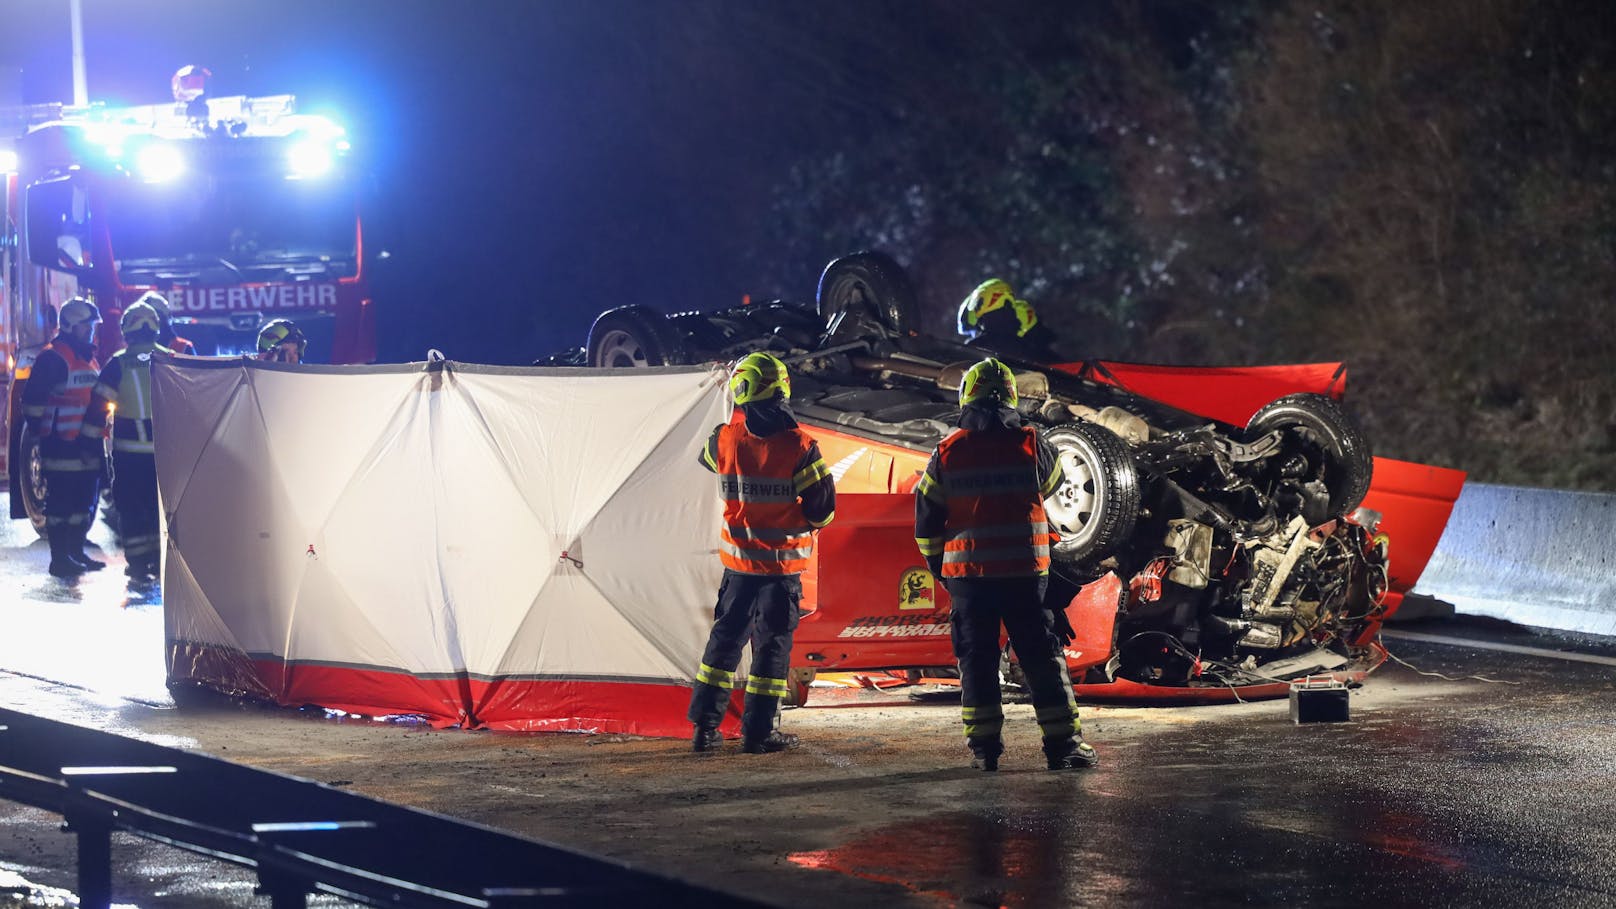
(78, 311)
(988, 381)
(990, 296)
(139, 316)
(157, 302)
(277, 332)
(758, 377)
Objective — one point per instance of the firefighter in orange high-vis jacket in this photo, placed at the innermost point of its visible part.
(980, 524)
(54, 402)
(777, 491)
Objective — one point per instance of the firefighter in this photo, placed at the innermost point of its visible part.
(777, 491)
(54, 402)
(280, 341)
(992, 318)
(165, 332)
(124, 388)
(980, 524)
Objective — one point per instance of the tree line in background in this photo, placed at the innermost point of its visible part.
(1424, 191)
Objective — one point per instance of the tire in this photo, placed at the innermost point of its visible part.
(1096, 507)
(30, 481)
(1317, 428)
(633, 337)
(875, 282)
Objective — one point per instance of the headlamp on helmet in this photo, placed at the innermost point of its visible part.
(988, 382)
(758, 377)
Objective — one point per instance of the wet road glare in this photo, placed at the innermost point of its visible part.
(1439, 791)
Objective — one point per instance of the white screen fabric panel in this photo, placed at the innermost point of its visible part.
(413, 519)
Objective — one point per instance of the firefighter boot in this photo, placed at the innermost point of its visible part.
(769, 744)
(707, 740)
(1070, 753)
(985, 752)
(77, 552)
(62, 564)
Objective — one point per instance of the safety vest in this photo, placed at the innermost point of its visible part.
(66, 404)
(764, 531)
(132, 424)
(996, 525)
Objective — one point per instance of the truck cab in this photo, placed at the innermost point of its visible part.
(238, 210)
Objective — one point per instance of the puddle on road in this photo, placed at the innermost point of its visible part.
(1014, 860)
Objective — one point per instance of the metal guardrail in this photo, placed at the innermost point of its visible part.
(300, 836)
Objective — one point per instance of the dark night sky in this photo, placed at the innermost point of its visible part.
(538, 161)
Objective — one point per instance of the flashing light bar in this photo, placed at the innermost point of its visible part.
(8, 161)
(159, 163)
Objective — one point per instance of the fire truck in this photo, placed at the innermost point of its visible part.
(237, 209)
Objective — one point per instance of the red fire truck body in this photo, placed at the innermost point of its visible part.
(238, 210)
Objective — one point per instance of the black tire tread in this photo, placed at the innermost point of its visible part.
(1123, 493)
(1353, 463)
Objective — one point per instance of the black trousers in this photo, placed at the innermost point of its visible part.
(980, 606)
(134, 492)
(70, 494)
(762, 610)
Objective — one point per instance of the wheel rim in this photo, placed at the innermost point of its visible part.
(1071, 509)
(36, 475)
(621, 350)
(847, 290)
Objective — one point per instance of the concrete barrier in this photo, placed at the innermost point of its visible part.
(1539, 557)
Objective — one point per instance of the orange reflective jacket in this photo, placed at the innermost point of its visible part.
(65, 407)
(765, 531)
(996, 525)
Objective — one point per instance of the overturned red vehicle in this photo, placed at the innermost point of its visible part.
(1223, 531)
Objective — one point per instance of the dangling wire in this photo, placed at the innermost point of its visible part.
(1448, 678)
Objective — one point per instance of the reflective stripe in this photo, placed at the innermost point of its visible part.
(828, 518)
(929, 546)
(1004, 554)
(1012, 531)
(987, 720)
(770, 534)
(107, 392)
(810, 475)
(765, 555)
(68, 465)
(928, 487)
(774, 688)
(1058, 720)
(139, 446)
(717, 678)
(1053, 481)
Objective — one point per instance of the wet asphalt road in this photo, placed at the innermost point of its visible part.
(1439, 792)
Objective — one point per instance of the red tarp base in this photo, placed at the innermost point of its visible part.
(511, 704)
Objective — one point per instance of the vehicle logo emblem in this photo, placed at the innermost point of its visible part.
(917, 590)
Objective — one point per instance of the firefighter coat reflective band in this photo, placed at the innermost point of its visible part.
(765, 531)
(63, 415)
(989, 482)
